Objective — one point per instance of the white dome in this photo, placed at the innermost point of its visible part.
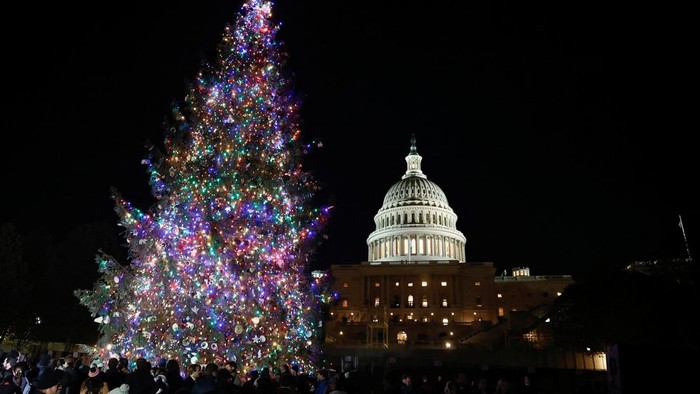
(414, 191)
(415, 222)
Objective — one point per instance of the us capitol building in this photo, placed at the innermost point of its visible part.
(417, 290)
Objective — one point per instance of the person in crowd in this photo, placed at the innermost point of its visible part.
(9, 361)
(8, 385)
(161, 380)
(224, 382)
(503, 386)
(70, 384)
(249, 384)
(335, 387)
(426, 386)
(207, 382)
(528, 386)
(113, 377)
(287, 384)
(232, 367)
(48, 382)
(192, 373)
(264, 383)
(173, 376)
(321, 381)
(407, 385)
(37, 369)
(141, 380)
(482, 387)
(21, 372)
(95, 382)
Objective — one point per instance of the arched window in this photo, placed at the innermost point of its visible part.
(410, 301)
(401, 337)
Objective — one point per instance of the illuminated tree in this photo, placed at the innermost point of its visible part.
(217, 264)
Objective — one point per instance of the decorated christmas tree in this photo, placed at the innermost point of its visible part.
(217, 264)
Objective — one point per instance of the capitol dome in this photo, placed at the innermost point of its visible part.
(415, 222)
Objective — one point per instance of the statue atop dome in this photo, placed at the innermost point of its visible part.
(413, 145)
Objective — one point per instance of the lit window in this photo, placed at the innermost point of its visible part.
(558, 293)
(376, 284)
(345, 303)
(376, 301)
(501, 312)
(499, 295)
(443, 284)
(345, 284)
(445, 321)
(444, 302)
(424, 284)
(401, 337)
(410, 301)
(478, 301)
(477, 283)
(424, 303)
(410, 284)
(397, 284)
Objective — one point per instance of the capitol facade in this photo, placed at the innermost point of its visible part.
(418, 290)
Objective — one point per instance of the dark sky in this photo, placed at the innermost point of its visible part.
(558, 132)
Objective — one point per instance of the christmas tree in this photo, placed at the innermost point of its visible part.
(217, 264)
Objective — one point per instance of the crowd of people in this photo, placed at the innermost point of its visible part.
(69, 375)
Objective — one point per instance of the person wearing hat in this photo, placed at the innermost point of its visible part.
(48, 382)
(95, 382)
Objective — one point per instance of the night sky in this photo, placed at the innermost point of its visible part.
(557, 132)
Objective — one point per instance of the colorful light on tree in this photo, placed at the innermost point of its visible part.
(217, 263)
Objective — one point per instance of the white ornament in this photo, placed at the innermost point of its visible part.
(102, 319)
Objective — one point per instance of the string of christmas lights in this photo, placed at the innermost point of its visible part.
(217, 264)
